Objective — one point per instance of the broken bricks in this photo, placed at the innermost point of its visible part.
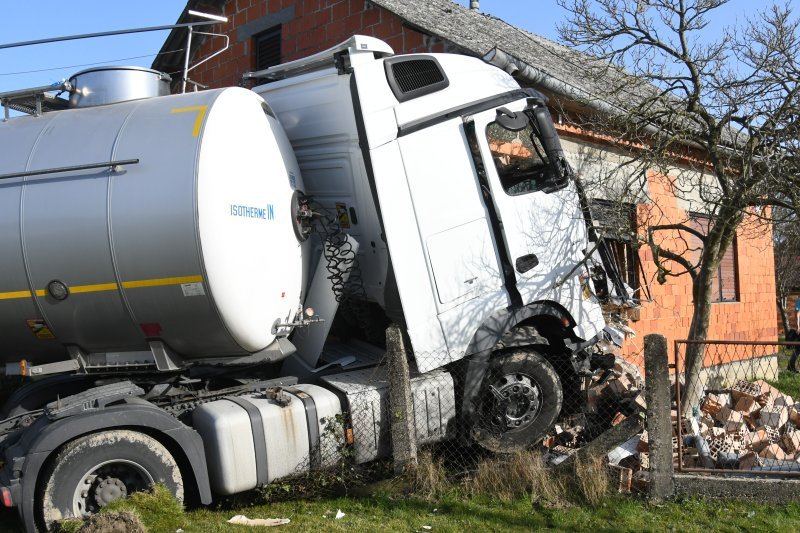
(774, 416)
(713, 403)
(791, 441)
(732, 421)
(745, 389)
(620, 476)
(751, 425)
(773, 451)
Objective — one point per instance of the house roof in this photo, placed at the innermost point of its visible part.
(565, 70)
(479, 33)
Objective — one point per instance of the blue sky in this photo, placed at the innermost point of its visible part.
(55, 18)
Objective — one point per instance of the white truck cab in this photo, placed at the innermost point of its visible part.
(444, 164)
(452, 179)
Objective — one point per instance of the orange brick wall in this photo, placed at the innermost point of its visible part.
(670, 312)
(317, 25)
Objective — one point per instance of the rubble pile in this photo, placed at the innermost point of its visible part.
(609, 400)
(750, 426)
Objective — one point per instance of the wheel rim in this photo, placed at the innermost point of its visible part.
(517, 401)
(107, 482)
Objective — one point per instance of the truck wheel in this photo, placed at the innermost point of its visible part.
(520, 399)
(96, 469)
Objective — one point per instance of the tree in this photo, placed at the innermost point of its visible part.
(727, 108)
(786, 236)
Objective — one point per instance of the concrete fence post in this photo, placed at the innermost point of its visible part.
(659, 423)
(401, 410)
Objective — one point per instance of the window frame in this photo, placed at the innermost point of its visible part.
(630, 275)
(539, 151)
(733, 249)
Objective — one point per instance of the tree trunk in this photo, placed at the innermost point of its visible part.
(781, 301)
(693, 390)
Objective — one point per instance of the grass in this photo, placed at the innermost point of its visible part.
(453, 512)
(515, 494)
(787, 382)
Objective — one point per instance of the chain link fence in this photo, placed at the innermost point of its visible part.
(521, 409)
(739, 412)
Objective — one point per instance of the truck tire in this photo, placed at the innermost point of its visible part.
(519, 402)
(95, 469)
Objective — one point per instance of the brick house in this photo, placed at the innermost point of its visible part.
(266, 32)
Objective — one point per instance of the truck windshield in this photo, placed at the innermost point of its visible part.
(519, 157)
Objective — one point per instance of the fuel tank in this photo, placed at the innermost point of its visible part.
(171, 222)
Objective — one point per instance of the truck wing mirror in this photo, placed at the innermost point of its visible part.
(545, 125)
(562, 172)
(510, 120)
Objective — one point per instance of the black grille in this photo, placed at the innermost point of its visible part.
(268, 48)
(416, 74)
(413, 77)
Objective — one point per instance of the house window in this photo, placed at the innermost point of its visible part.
(616, 223)
(267, 48)
(726, 286)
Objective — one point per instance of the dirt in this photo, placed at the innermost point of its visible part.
(114, 522)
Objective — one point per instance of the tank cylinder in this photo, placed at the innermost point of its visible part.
(188, 240)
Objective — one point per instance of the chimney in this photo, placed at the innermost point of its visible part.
(474, 4)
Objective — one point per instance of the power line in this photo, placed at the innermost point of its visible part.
(88, 64)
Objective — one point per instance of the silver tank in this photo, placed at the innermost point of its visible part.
(109, 85)
(193, 245)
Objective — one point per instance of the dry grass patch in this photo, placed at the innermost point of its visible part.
(591, 479)
(428, 479)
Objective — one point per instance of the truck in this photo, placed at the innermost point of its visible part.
(195, 287)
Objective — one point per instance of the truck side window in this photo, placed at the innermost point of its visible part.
(519, 157)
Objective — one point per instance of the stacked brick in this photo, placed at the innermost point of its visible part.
(315, 25)
(750, 426)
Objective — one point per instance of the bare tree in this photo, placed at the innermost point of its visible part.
(786, 236)
(714, 120)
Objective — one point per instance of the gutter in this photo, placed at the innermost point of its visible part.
(517, 67)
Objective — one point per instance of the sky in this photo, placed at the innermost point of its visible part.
(55, 18)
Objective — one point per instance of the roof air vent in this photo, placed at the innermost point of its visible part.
(414, 76)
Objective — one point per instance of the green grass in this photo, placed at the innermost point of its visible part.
(787, 382)
(456, 514)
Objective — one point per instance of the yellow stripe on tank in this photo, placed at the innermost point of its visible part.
(14, 294)
(101, 287)
(162, 281)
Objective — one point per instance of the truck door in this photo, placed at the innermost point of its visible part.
(539, 213)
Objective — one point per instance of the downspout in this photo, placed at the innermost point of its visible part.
(519, 68)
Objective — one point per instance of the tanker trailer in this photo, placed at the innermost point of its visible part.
(149, 233)
(152, 261)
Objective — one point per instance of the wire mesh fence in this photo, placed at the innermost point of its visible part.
(736, 408)
(522, 409)
(507, 420)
